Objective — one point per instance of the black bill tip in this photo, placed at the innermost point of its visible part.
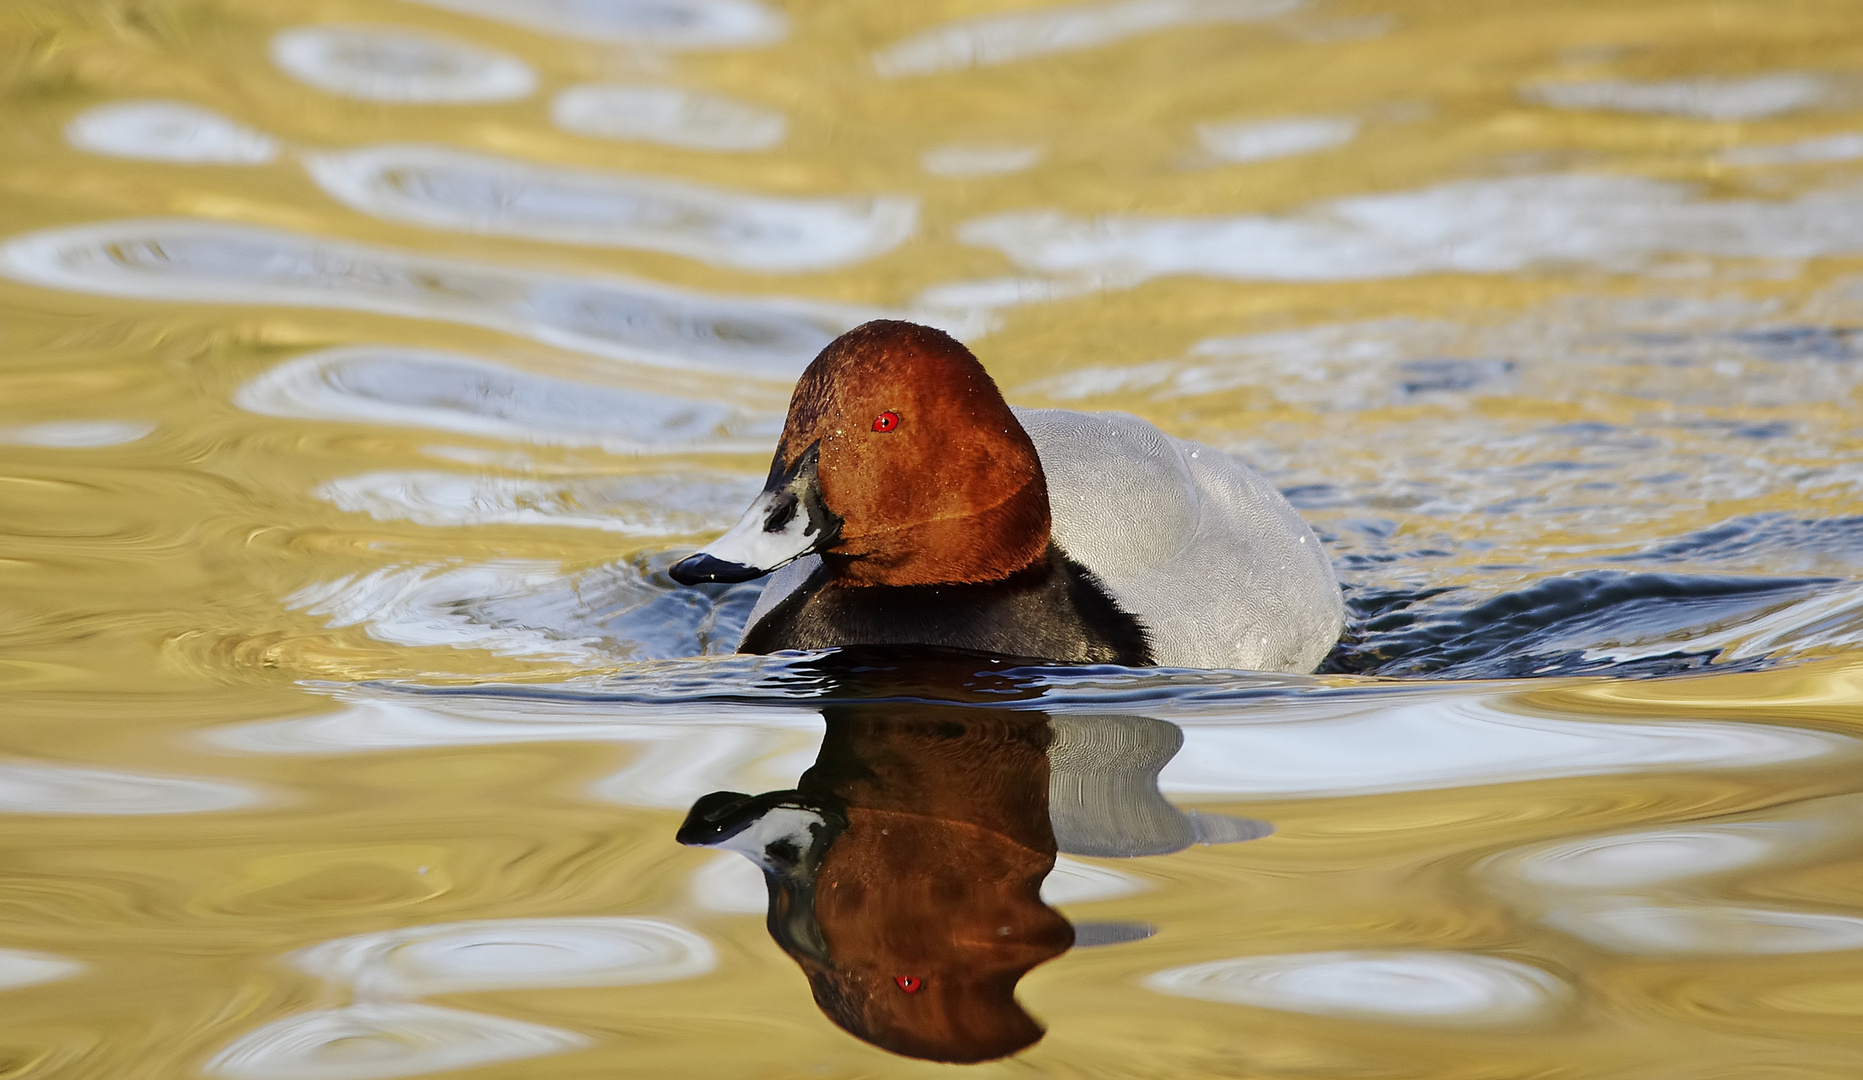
(700, 568)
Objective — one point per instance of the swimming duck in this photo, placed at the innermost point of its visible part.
(908, 504)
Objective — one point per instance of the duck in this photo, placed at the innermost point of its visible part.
(908, 504)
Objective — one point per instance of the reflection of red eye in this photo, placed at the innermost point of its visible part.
(909, 983)
(886, 421)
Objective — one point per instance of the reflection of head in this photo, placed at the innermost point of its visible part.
(905, 874)
(930, 923)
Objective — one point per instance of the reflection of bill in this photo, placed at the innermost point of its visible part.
(905, 868)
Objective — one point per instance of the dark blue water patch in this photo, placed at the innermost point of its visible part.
(1597, 622)
(1316, 496)
(1450, 374)
(1588, 429)
(1775, 542)
(1838, 344)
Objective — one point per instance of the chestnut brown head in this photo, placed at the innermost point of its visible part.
(900, 464)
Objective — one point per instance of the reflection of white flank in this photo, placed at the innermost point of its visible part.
(667, 114)
(1000, 39)
(76, 434)
(1075, 882)
(1477, 227)
(961, 160)
(670, 505)
(1261, 140)
(169, 131)
(378, 1041)
(491, 954)
(1704, 98)
(386, 63)
(663, 24)
(395, 385)
(1413, 987)
(181, 259)
(1845, 147)
(451, 189)
(36, 788)
(21, 968)
(1449, 742)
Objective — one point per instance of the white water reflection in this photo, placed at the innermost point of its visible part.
(394, 63)
(374, 1041)
(1638, 926)
(1655, 857)
(960, 297)
(1705, 98)
(673, 504)
(76, 434)
(1844, 147)
(675, 768)
(1423, 743)
(1830, 618)
(444, 188)
(426, 388)
(18, 967)
(730, 884)
(1649, 892)
(684, 751)
(1263, 140)
(43, 788)
(172, 131)
(1618, 223)
(189, 260)
(491, 954)
(1412, 987)
(534, 609)
(964, 159)
(667, 114)
(1328, 747)
(989, 40)
(660, 24)
(427, 605)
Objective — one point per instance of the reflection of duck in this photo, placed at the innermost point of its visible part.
(905, 869)
(924, 511)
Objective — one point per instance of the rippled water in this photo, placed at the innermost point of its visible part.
(363, 367)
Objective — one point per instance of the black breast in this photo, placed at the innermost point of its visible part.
(1054, 610)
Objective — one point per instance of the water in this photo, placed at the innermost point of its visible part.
(363, 369)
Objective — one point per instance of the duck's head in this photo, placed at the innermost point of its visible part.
(900, 464)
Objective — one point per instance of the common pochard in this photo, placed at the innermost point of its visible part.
(908, 504)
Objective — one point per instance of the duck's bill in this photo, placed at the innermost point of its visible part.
(785, 522)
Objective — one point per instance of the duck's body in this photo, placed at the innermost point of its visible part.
(1044, 534)
(1053, 610)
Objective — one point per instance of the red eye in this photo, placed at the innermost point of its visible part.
(886, 421)
(909, 983)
